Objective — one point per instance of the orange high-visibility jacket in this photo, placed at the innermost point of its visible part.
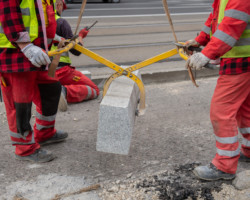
(235, 21)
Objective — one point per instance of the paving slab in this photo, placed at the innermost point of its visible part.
(117, 115)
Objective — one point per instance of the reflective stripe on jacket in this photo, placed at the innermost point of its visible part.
(241, 47)
(230, 26)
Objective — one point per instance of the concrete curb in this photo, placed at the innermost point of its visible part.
(165, 76)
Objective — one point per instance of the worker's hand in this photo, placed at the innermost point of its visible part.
(197, 61)
(83, 33)
(191, 43)
(58, 38)
(36, 55)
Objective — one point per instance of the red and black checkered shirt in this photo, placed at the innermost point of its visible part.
(13, 60)
(234, 65)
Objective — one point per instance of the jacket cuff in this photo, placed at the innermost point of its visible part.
(208, 54)
(23, 37)
(202, 38)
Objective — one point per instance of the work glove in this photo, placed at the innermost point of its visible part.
(83, 33)
(197, 61)
(191, 43)
(36, 55)
(58, 38)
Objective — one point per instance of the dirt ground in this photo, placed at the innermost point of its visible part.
(172, 138)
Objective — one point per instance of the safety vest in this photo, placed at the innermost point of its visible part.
(242, 47)
(64, 56)
(29, 20)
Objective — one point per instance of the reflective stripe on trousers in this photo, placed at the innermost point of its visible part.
(246, 136)
(27, 138)
(230, 110)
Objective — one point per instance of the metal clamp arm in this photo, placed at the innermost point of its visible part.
(62, 50)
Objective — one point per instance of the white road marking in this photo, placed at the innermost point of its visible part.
(148, 15)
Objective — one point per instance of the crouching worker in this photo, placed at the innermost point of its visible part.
(76, 87)
(24, 79)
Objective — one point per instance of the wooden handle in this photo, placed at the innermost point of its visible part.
(165, 5)
(80, 15)
(53, 65)
(192, 76)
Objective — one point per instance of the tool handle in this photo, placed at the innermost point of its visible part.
(197, 49)
(89, 27)
(210, 66)
(80, 15)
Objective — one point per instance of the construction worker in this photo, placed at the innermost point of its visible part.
(226, 35)
(24, 78)
(76, 86)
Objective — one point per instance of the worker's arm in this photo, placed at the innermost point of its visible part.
(14, 29)
(237, 15)
(204, 37)
(64, 30)
(12, 23)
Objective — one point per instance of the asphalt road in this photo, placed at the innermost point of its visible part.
(135, 30)
(139, 7)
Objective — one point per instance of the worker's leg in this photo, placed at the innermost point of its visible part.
(229, 95)
(244, 126)
(46, 98)
(79, 87)
(17, 95)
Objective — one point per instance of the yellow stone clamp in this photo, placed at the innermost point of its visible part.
(119, 70)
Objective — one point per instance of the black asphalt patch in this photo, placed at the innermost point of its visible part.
(181, 183)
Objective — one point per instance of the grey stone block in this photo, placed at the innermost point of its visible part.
(117, 116)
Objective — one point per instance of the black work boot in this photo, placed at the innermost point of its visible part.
(39, 156)
(59, 136)
(243, 158)
(211, 173)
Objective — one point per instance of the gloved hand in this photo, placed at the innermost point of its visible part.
(36, 55)
(191, 43)
(83, 33)
(58, 38)
(197, 61)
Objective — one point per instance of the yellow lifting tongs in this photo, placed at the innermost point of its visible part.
(119, 70)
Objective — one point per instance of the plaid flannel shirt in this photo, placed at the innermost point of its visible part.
(234, 65)
(12, 59)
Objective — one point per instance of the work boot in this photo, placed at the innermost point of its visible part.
(59, 136)
(39, 156)
(63, 106)
(211, 173)
(243, 158)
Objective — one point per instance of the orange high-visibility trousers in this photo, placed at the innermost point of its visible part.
(230, 111)
(79, 87)
(20, 91)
